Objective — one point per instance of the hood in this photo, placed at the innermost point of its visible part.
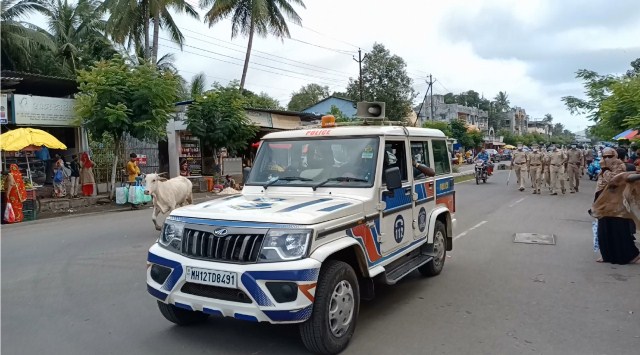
(304, 210)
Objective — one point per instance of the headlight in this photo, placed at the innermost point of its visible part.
(285, 245)
(171, 236)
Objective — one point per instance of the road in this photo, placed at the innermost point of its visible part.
(76, 285)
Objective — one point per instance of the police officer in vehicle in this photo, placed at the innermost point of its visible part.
(519, 164)
(575, 162)
(535, 168)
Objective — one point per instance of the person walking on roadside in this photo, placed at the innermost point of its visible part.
(75, 176)
(557, 161)
(133, 171)
(575, 162)
(535, 168)
(519, 164)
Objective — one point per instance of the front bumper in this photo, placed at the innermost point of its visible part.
(261, 305)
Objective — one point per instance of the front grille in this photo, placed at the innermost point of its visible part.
(243, 248)
(219, 293)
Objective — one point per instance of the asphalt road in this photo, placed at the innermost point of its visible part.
(76, 285)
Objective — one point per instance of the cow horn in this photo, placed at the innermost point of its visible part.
(162, 174)
(633, 177)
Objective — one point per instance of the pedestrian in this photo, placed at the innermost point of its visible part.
(58, 177)
(557, 162)
(575, 162)
(622, 155)
(615, 235)
(133, 172)
(588, 156)
(87, 180)
(535, 168)
(44, 156)
(75, 176)
(637, 161)
(15, 193)
(519, 164)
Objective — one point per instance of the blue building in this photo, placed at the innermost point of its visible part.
(347, 106)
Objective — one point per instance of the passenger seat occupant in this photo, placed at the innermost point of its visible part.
(319, 161)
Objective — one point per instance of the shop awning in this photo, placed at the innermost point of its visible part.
(628, 134)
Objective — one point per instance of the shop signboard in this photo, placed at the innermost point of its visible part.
(142, 159)
(43, 111)
(261, 119)
(4, 110)
(285, 121)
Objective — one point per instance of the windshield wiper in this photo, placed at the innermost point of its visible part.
(286, 178)
(339, 179)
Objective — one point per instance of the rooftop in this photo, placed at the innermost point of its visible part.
(37, 84)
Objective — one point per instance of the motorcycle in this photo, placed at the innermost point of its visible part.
(481, 171)
(593, 170)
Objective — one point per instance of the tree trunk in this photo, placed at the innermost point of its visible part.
(156, 35)
(247, 56)
(145, 8)
(114, 168)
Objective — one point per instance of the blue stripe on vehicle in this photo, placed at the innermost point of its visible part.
(238, 224)
(157, 294)
(333, 208)
(183, 306)
(175, 273)
(213, 312)
(304, 204)
(285, 275)
(399, 200)
(290, 316)
(255, 291)
(246, 317)
(444, 185)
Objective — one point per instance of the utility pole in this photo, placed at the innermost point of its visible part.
(359, 61)
(431, 94)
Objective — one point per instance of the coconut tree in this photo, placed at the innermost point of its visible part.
(193, 89)
(502, 101)
(161, 18)
(20, 39)
(248, 17)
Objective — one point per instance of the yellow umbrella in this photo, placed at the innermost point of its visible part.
(21, 138)
(509, 146)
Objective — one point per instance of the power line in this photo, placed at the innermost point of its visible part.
(340, 51)
(227, 79)
(335, 39)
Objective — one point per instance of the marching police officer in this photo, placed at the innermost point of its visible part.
(535, 167)
(557, 162)
(519, 164)
(575, 162)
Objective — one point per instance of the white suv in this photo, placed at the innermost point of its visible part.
(324, 213)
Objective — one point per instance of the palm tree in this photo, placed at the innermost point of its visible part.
(130, 22)
(193, 89)
(502, 101)
(251, 16)
(74, 28)
(548, 118)
(20, 39)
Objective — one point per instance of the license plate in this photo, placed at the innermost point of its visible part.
(212, 277)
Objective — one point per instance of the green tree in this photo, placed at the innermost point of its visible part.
(20, 40)
(262, 100)
(502, 102)
(442, 126)
(621, 110)
(219, 119)
(596, 90)
(248, 17)
(548, 118)
(116, 99)
(385, 79)
(466, 138)
(193, 89)
(339, 115)
(508, 137)
(308, 95)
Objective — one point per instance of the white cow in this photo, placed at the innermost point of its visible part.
(167, 194)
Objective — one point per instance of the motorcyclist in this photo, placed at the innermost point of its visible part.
(483, 155)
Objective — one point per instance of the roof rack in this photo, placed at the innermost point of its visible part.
(359, 122)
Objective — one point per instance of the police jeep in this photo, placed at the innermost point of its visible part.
(325, 214)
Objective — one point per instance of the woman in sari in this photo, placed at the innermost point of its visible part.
(615, 235)
(86, 175)
(16, 192)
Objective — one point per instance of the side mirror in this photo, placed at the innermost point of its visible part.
(245, 174)
(393, 178)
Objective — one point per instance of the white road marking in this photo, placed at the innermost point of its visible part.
(469, 230)
(517, 202)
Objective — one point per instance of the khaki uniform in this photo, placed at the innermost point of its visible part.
(535, 169)
(519, 163)
(546, 170)
(557, 160)
(575, 160)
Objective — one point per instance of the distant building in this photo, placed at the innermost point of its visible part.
(444, 112)
(540, 127)
(346, 106)
(516, 121)
(581, 136)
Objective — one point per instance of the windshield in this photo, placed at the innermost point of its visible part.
(347, 162)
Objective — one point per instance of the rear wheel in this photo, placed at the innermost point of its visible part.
(335, 310)
(434, 267)
(181, 316)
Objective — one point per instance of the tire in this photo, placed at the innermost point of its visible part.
(181, 316)
(435, 266)
(477, 179)
(484, 180)
(336, 278)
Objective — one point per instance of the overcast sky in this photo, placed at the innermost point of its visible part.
(528, 48)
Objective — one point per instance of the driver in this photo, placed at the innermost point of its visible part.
(484, 156)
(319, 161)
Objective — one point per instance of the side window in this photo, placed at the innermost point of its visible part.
(395, 156)
(441, 157)
(420, 153)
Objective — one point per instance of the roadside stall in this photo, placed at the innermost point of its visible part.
(19, 194)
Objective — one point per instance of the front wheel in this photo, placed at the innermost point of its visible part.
(477, 178)
(434, 267)
(335, 310)
(181, 316)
